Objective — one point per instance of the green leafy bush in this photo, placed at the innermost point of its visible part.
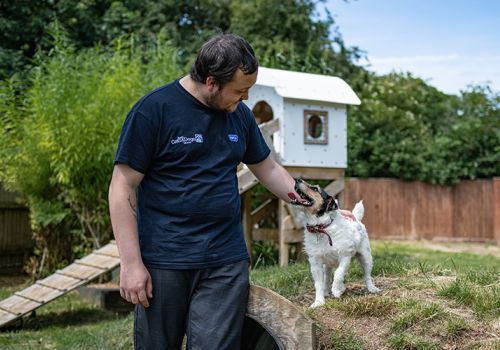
(58, 138)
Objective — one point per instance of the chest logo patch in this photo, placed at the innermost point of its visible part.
(233, 137)
(198, 138)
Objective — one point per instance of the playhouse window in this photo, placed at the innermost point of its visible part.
(316, 127)
(262, 112)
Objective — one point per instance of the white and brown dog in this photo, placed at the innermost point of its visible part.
(331, 240)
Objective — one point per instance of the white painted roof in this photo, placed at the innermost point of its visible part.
(306, 86)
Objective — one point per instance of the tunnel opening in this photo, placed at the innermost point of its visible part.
(257, 337)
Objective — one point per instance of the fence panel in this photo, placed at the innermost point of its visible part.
(15, 233)
(415, 210)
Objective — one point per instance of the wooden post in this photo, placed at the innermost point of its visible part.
(284, 246)
(246, 221)
(496, 209)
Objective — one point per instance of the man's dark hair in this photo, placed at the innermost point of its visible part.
(221, 56)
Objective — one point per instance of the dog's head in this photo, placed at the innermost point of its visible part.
(315, 201)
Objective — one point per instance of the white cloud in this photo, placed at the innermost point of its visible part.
(448, 72)
(413, 59)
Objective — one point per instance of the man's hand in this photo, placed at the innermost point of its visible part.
(135, 284)
(347, 214)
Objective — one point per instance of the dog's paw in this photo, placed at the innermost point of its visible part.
(337, 293)
(373, 289)
(317, 303)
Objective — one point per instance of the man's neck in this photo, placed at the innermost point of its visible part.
(193, 87)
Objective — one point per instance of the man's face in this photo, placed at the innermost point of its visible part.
(232, 93)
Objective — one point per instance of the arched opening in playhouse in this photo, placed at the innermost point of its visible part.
(263, 112)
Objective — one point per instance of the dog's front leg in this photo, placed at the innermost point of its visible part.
(318, 274)
(338, 279)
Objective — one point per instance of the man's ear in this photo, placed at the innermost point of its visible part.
(211, 84)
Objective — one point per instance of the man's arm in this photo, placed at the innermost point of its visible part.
(135, 281)
(277, 180)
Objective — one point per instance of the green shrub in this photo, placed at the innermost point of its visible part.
(58, 138)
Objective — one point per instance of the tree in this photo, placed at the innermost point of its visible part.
(284, 33)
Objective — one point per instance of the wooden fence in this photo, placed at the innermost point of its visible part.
(15, 233)
(469, 211)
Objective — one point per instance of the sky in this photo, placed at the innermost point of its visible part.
(448, 43)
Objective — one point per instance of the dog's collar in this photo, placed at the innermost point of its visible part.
(320, 229)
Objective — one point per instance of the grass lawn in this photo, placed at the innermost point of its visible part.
(430, 300)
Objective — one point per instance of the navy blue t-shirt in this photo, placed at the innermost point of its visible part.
(188, 205)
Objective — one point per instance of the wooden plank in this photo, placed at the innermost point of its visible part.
(18, 305)
(270, 127)
(266, 234)
(335, 187)
(267, 134)
(39, 293)
(60, 282)
(109, 249)
(6, 317)
(246, 180)
(293, 235)
(294, 214)
(496, 209)
(264, 210)
(315, 173)
(80, 272)
(472, 214)
(284, 253)
(287, 222)
(246, 220)
(100, 261)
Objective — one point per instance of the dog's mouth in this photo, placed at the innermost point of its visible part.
(306, 200)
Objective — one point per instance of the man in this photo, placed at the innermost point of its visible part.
(184, 261)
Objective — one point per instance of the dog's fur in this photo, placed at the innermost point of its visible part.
(348, 238)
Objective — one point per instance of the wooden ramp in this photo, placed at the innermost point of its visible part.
(61, 282)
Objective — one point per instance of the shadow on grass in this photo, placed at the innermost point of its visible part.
(63, 319)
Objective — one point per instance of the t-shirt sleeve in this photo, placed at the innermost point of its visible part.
(257, 149)
(136, 146)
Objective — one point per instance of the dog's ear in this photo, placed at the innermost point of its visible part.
(332, 204)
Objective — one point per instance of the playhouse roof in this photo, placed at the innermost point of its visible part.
(306, 86)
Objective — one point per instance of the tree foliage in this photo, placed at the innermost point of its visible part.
(407, 129)
(283, 32)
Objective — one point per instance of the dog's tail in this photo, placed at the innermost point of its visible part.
(359, 210)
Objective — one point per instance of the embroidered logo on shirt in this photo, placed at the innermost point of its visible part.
(198, 138)
(233, 137)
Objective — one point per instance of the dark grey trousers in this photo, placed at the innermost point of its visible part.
(207, 305)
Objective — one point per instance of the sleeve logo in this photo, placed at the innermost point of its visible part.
(233, 137)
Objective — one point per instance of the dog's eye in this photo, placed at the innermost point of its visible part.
(315, 189)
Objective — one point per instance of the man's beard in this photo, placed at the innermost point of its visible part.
(212, 102)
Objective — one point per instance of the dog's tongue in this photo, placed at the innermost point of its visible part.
(292, 196)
